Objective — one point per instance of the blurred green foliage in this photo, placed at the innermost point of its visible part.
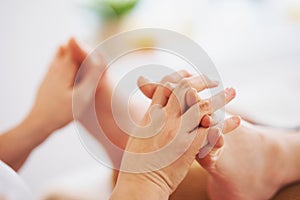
(111, 9)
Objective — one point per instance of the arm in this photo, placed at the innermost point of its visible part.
(52, 108)
(17, 144)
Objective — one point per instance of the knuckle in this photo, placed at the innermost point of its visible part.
(166, 79)
(206, 106)
(184, 72)
(184, 83)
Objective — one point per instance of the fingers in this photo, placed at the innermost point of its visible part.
(214, 142)
(201, 82)
(148, 88)
(177, 100)
(218, 101)
(176, 76)
(161, 95)
(191, 118)
(69, 58)
(85, 86)
(155, 122)
(214, 134)
(210, 155)
(77, 51)
(206, 121)
(198, 82)
(209, 107)
(61, 51)
(192, 98)
(231, 124)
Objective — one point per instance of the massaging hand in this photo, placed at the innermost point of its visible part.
(214, 139)
(53, 104)
(160, 152)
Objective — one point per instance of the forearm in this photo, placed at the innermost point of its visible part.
(17, 144)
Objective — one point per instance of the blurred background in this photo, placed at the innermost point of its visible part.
(255, 45)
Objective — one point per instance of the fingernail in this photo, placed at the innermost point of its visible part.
(143, 80)
(191, 98)
(236, 120)
(215, 82)
(213, 136)
(229, 91)
(204, 151)
(214, 119)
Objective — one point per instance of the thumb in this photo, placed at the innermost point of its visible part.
(146, 86)
(78, 51)
(86, 84)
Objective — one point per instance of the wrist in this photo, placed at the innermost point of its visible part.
(135, 187)
(37, 129)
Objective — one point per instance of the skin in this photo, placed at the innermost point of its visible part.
(268, 175)
(52, 108)
(55, 93)
(182, 104)
(222, 167)
(219, 163)
(106, 119)
(216, 163)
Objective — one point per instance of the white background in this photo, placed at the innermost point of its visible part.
(254, 44)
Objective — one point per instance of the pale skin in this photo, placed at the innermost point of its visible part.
(182, 104)
(262, 171)
(286, 144)
(34, 130)
(253, 172)
(55, 94)
(52, 108)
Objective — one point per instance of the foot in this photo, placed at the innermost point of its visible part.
(249, 166)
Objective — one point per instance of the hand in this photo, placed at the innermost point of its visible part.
(172, 117)
(53, 104)
(215, 140)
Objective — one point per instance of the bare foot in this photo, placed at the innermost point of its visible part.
(252, 164)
